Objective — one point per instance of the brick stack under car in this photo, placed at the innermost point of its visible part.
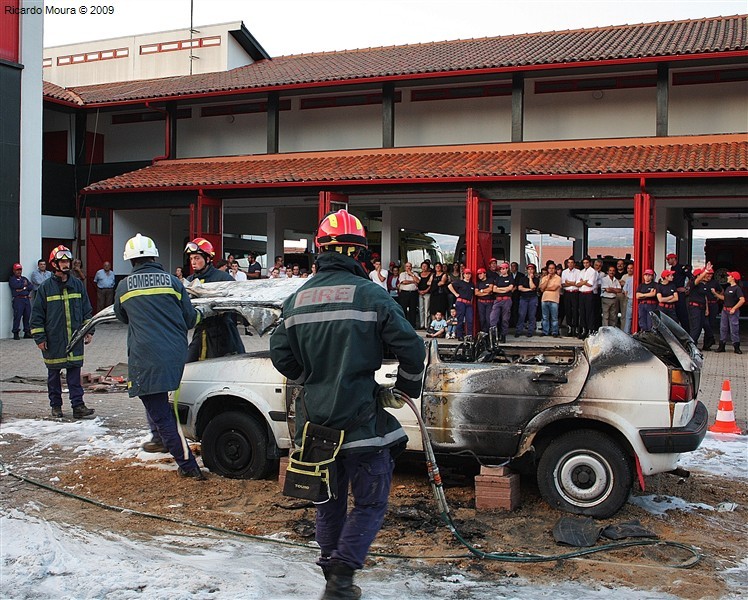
(496, 488)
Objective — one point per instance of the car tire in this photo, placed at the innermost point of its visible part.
(235, 445)
(585, 472)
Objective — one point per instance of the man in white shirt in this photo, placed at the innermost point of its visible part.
(627, 297)
(236, 273)
(610, 290)
(598, 266)
(378, 275)
(570, 297)
(586, 284)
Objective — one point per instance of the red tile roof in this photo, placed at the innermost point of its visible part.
(621, 43)
(51, 90)
(726, 154)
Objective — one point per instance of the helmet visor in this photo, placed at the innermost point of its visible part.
(191, 248)
(63, 254)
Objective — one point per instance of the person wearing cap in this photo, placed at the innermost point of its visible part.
(682, 279)
(20, 289)
(493, 270)
(570, 297)
(646, 296)
(484, 294)
(667, 295)
(501, 311)
(729, 325)
(527, 284)
(463, 291)
(698, 305)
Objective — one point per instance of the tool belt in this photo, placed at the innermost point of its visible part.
(312, 472)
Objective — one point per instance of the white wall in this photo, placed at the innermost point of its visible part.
(146, 66)
(438, 122)
(133, 141)
(166, 227)
(229, 135)
(330, 128)
(580, 115)
(713, 108)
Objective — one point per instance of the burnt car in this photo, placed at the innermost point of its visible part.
(586, 418)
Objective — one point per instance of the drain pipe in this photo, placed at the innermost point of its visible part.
(167, 133)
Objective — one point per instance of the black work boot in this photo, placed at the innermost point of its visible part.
(706, 347)
(339, 583)
(82, 412)
(28, 336)
(56, 412)
(16, 336)
(736, 345)
(191, 474)
(721, 347)
(154, 446)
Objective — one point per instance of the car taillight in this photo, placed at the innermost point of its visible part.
(680, 386)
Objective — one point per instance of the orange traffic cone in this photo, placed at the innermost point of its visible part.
(725, 422)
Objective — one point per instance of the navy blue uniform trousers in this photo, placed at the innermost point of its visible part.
(345, 537)
(161, 415)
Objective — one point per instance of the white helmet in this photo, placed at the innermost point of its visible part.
(139, 246)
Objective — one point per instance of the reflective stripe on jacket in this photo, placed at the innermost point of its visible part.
(333, 335)
(215, 336)
(59, 309)
(158, 313)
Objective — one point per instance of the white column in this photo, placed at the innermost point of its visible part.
(518, 237)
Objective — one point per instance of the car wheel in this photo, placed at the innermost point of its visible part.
(585, 472)
(235, 445)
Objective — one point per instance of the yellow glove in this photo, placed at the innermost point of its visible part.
(390, 397)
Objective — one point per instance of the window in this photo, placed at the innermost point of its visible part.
(456, 93)
(180, 45)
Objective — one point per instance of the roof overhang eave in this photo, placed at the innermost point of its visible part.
(467, 181)
(647, 60)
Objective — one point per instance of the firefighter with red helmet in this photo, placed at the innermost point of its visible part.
(218, 335)
(61, 306)
(334, 332)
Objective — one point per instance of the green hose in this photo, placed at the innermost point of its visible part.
(521, 557)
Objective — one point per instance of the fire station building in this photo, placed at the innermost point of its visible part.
(182, 134)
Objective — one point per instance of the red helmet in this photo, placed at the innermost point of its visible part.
(200, 246)
(60, 253)
(340, 229)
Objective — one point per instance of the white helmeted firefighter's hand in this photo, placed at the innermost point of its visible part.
(390, 397)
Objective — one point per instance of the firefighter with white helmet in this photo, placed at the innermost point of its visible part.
(158, 313)
(61, 306)
(216, 336)
(332, 338)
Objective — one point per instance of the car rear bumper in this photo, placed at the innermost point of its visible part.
(670, 440)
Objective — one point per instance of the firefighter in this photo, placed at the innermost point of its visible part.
(217, 335)
(61, 306)
(158, 312)
(334, 332)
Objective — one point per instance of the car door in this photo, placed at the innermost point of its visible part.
(484, 407)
